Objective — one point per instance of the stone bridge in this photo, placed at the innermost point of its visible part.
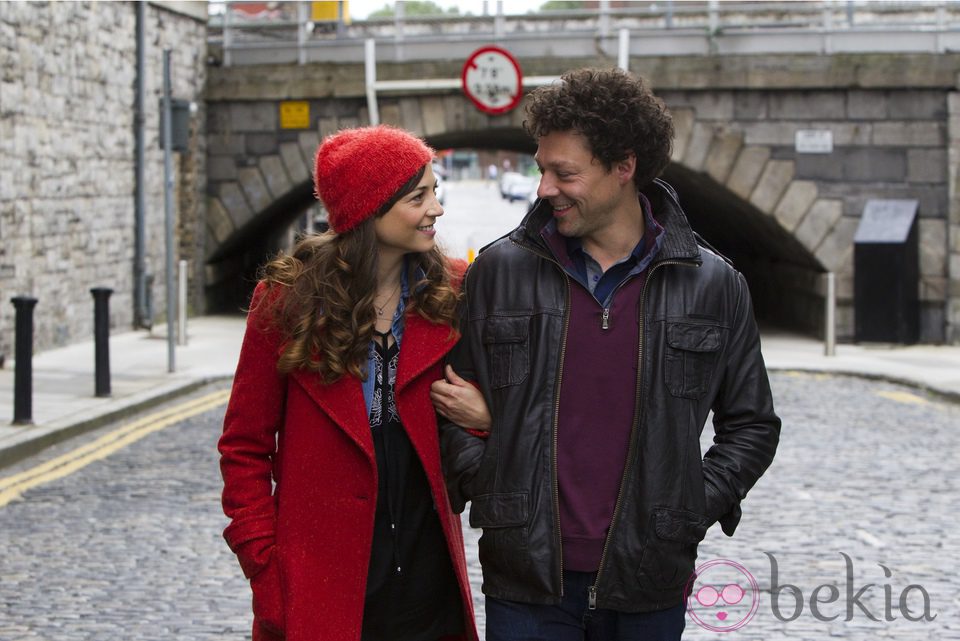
(784, 216)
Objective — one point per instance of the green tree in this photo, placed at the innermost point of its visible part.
(414, 8)
(561, 5)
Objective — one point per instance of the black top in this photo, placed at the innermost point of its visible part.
(412, 591)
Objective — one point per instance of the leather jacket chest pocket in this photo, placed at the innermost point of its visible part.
(690, 357)
(506, 341)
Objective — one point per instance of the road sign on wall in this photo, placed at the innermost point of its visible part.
(492, 80)
(294, 114)
(813, 141)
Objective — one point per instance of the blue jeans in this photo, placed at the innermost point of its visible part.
(573, 621)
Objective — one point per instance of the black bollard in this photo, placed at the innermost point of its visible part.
(101, 339)
(23, 353)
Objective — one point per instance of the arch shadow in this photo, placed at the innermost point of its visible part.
(233, 266)
(784, 277)
(782, 274)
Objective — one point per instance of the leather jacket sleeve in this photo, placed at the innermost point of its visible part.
(461, 451)
(746, 428)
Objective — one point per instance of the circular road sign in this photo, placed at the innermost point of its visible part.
(492, 80)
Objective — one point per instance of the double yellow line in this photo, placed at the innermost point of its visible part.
(12, 487)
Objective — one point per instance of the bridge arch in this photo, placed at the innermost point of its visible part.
(256, 191)
(778, 229)
(741, 197)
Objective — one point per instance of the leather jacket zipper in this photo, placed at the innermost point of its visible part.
(555, 485)
(592, 590)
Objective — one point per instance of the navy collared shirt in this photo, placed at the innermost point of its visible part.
(583, 268)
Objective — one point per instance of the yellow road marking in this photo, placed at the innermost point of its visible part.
(903, 397)
(796, 373)
(12, 487)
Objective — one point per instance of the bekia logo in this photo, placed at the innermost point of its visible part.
(722, 596)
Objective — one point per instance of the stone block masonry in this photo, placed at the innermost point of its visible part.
(887, 143)
(783, 215)
(67, 95)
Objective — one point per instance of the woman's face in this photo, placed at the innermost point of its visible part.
(407, 227)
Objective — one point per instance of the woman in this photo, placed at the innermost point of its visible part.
(329, 454)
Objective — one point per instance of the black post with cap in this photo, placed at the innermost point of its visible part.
(23, 353)
(101, 339)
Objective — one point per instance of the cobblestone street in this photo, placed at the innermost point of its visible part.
(865, 469)
(129, 547)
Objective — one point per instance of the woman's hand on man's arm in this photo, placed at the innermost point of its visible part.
(460, 402)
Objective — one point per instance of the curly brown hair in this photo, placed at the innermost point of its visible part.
(325, 290)
(616, 113)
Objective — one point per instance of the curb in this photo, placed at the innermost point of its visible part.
(945, 395)
(16, 452)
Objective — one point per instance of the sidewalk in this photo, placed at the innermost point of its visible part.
(934, 368)
(63, 379)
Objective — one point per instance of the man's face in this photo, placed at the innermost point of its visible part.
(583, 193)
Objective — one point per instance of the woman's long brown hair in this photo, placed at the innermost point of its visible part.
(324, 309)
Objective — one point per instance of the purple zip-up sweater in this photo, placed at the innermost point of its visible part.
(597, 402)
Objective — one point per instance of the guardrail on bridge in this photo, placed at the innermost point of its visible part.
(287, 35)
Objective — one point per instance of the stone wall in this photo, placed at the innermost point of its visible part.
(953, 230)
(787, 216)
(67, 157)
(887, 144)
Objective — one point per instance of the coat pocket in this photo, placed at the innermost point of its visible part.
(503, 545)
(506, 340)
(690, 356)
(268, 595)
(671, 549)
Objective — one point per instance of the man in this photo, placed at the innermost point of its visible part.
(602, 334)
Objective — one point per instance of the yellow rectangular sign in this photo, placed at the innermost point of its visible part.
(330, 11)
(294, 114)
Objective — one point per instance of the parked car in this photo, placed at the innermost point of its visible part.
(517, 186)
(441, 175)
(532, 198)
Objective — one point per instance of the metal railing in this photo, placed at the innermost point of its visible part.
(287, 34)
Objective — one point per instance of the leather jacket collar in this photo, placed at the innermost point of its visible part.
(680, 242)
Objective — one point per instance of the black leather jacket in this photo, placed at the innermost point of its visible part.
(699, 351)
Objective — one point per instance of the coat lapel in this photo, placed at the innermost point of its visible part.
(343, 402)
(424, 344)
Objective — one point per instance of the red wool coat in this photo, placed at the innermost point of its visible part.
(306, 546)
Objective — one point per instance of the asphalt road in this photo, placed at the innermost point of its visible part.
(474, 215)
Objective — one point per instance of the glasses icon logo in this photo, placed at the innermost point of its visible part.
(731, 594)
(722, 596)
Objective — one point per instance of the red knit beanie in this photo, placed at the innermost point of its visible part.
(358, 170)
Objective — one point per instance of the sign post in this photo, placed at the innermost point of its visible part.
(492, 80)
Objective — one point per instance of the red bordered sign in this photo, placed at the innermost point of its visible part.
(492, 80)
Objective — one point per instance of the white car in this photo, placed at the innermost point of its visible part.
(440, 174)
(532, 198)
(516, 186)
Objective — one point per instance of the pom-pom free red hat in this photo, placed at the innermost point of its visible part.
(358, 170)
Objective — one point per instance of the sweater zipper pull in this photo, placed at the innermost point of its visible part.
(592, 597)
(605, 318)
